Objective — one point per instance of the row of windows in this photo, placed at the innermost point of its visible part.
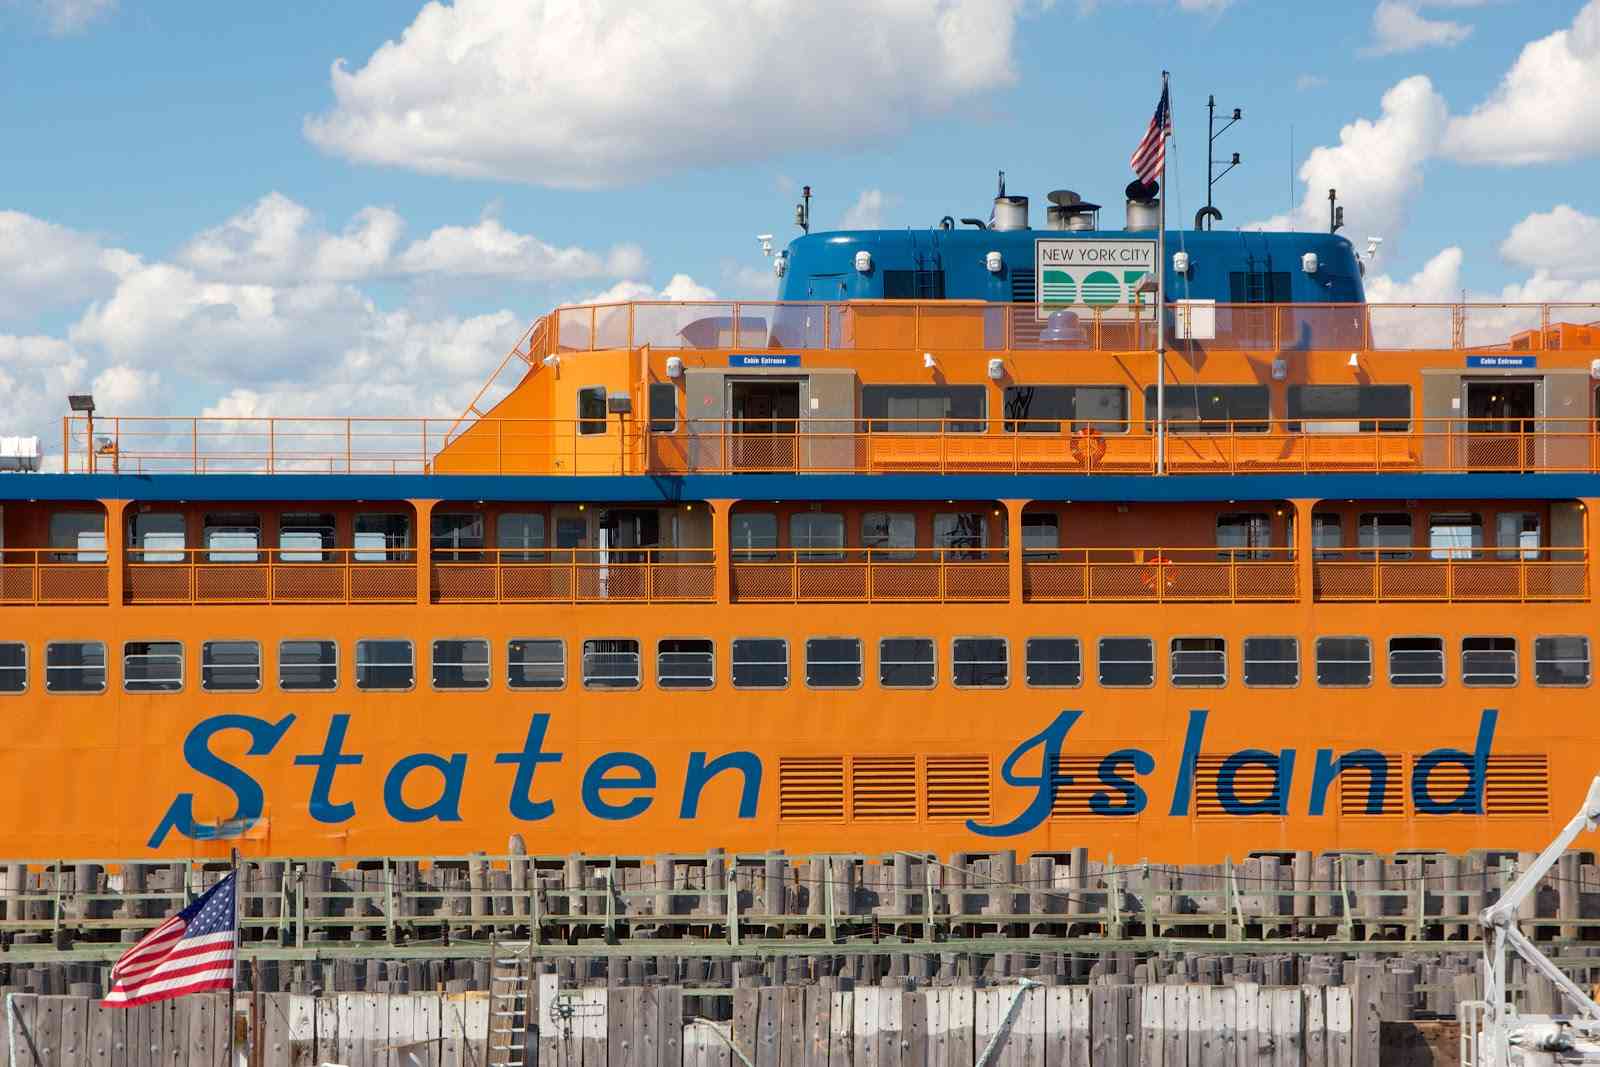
(829, 663)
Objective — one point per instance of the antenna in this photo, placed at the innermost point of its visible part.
(1335, 212)
(1002, 189)
(802, 210)
(1212, 133)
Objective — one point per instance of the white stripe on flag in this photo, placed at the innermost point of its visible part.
(217, 974)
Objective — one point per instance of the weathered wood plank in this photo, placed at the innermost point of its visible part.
(1082, 1037)
(670, 1010)
(74, 1032)
(108, 1028)
(841, 1029)
(649, 1051)
(1152, 1024)
(746, 1017)
(1316, 1027)
(913, 1029)
(889, 1027)
(1287, 1035)
(1222, 1020)
(769, 1027)
(1199, 1023)
(818, 1008)
(866, 1027)
(203, 1028)
(1365, 1015)
(1246, 998)
(1058, 1026)
(548, 1021)
(1176, 1026)
(1341, 1046)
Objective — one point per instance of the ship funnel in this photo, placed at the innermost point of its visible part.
(1144, 205)
(1010, 213)
(1069, 211)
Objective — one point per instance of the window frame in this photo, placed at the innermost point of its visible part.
(1099, 661)
(638, 665)
(861, 662)
(559, 642)
(955, 661)
(75, 551)
(657, 422)
(916, 424)
(1376, 552)
(1516, 660)
(139, 540)
(753, 555)
(1037, 553)
(183, 665)
(1244, 662)
(105, 668)
(933, 662)
(1200, 423)
(389, 553)
(1316, 653)
(889, 551)
(802, 553)
(356, 662)
(338, 664)
(27, 663)
(433, 666)
(521, 553)
(1027, 660)
(260, 663)
(733, 663)
(225, 553)
(1444, 661)
(1026, 423)
(327, 537)
(1377, 424)
(1172, 669)
(588, 425)
(1588, 661)
(711, 680)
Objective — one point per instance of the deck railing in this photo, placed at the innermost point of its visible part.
(871, 574)
(1455, 575)
(1161, 574)
(269, 576)
(573, 575)
(34, 576)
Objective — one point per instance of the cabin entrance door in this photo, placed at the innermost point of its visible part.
(1501, 414)
(763, 415)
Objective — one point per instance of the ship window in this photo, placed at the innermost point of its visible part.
(833, 662)
(754, 536)
(1244, 535)
(230, 666)
(82, 532)
(961, 535)
(152, 666)
(913, 285)
(760, 663)
(924, 408)
(1127, 661)
(980, 662)
(381, 537)
(592, 409)
(1271, 661)
(1455, 536)
(1043, 408)
(1415, 661)
(232, 537)
(461, 664)
(1556, 660)
(686, 663)
(891, 534)
(385, 665)
(304, 538)
(1259, 287)
(75, 667)
(158, 537)
(1199, 662)
(1350, 408)
(611, 663)
(308, 666)
(1041, 535)
(1053, 662)
(1344, 661)
(457, 537)
(663, 407)
(516, 534)
(1212, 408)
(1388, 531)
(1517, 534)
(1327, 536)
(536, 663)
(571, 531)
(817, 535)
(1489, 661)
(13, 667)
(906, 663)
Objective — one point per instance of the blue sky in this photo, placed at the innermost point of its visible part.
(497, 158)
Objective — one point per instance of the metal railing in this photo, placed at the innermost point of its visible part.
(573, 575)
(269, 576)
(1455, 575)
(871, 574)
(1161, 574)
(34, 576)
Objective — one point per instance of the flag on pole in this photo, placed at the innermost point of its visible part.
(192, 952)
(1151, 155)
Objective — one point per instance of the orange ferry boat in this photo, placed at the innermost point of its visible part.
(956, 546)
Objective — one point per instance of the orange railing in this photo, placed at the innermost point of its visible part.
(1161, 574)
(574, 575)
(871, 574)
(1457, 575)
(31, 576)
(269, 576)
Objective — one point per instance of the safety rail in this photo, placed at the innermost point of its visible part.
(1450, 574)
(871, 574)
(242, 575)
(573, 575)
(1368, 444)
(1084, 575)
(54, 576)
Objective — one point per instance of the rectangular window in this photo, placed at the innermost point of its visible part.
(1259, 287)
(13, 667)
(1127, 661)
(760, 663)
(592, 409)
(571, 532)
(686, 663)
(754, 536)
(891, 534)
(232, 537)
(1561, 660)
(980, 662)
(1453, 536)
(1327, 536)
(1489, 661)
(1041, 535)
(1516, 533)
(1387, 531)
(833, 662)
(517, 535)
(1212, 408)
(1416, 661)
(816, 535)
(536, 663)
(1199, 662)
(75, 667)
(1053, 662)
(152, 666)
(81, 533)
(1244, 535)
(913, 285)
(308, 666)
(924, 408)
(906, 663)
(1344, 661)
(158, 536)
(663, 407)
(230, 666)
(1350, 408)
(1043, 408)
(461, 664)
(457, 537)
(385, 664)
(304, 537)
(1271, 661)
(381, 537)
(960, 535)
(611, 663)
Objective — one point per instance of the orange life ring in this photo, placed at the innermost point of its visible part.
(1158, 570)
(1089, 446)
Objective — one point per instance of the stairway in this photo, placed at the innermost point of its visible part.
(509, 1000)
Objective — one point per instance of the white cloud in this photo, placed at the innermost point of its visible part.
(679, 287)
(1400, 26)
(1439, 281)
(44, 266)
(1561, 241)
(605, 92)
(36, 374)
(490, 250)
(867, 212)
(1376, 166)
(275, 240)
(1546, 108)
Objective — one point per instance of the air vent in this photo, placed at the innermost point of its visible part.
(1355, 785)
(1072, 797)
(1514, 786)
(811, 788)
(1252, 784)
(883, 787)
(958, 787)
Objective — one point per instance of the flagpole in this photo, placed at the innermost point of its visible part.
(233, 987)
(1161, 297)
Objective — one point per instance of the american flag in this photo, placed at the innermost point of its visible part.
(192, 952)
(1151, 155)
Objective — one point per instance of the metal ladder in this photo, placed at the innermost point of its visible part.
(509, 997)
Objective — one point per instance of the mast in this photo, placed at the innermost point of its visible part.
(1161, 299)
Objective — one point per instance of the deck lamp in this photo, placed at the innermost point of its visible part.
(84, 403)
(997, 369)
(674, 367)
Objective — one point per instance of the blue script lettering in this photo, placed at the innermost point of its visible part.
(595, 781)
(249, 801)
(522, 805)
(1048, 741)
(1375, 763)
(446, 808)
(1132, 796)
(1470, 802)
(327, 762)
(701, 773)
(1275, 802)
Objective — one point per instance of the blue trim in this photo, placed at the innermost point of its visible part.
(803, 487)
